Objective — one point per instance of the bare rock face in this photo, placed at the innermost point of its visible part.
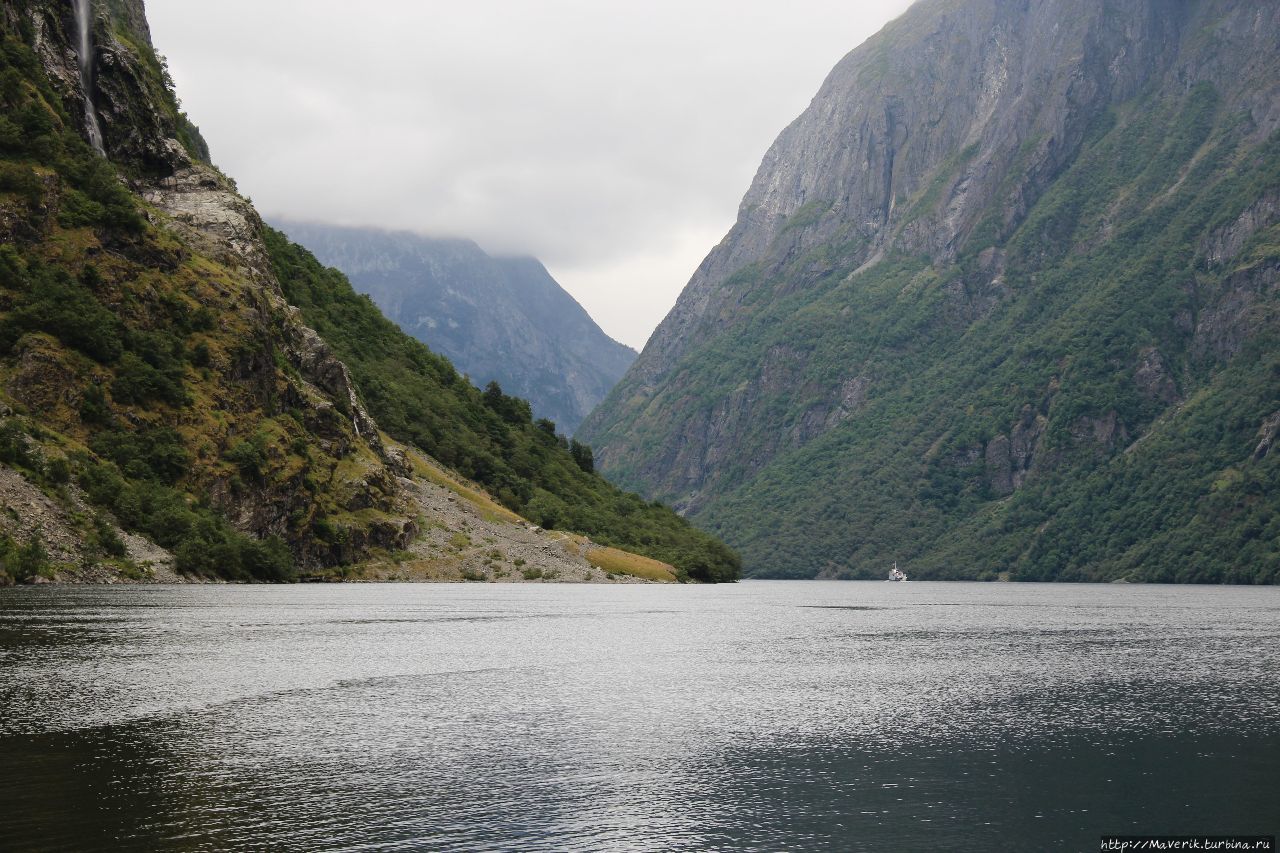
(946, 98)
(1237, 308)
(218, 221)
(56, 52)
(209, 212)
(1153, 379)
(1224, 244)
(138, 131)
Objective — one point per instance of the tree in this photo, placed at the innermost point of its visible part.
(583, 456)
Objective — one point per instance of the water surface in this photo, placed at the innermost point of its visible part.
(762, 716)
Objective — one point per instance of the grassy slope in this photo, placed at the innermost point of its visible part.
(1105, 267)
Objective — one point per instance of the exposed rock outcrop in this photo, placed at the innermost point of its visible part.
(1010, 458)
(216, 221)
(1267, 436)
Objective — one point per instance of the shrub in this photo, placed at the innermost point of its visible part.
(13, 446)
(582, 456)
(104, 538)
(93, 407)
(156, 454)
(23, 563)
(78, 210)
(200, 355)
(249, 457)
(21, 181)
(138, 382)
(57, 304)
(58, 470)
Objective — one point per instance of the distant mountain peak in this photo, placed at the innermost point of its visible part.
(502, 319)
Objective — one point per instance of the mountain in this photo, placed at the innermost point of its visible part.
(1000, 302)
(185, 394)
(496, 319)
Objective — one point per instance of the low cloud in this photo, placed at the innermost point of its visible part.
(612, 141)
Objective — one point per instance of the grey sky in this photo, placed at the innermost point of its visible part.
(612, 141)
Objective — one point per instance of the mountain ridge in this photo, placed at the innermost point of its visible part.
(986, 192)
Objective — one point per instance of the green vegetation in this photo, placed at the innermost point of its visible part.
(807, 215)
(173, 404)
(22, 563)
(133, 342)
(202, 541)
(1138, 473)
(488, 437)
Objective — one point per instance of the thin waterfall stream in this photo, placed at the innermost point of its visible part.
(84, 52)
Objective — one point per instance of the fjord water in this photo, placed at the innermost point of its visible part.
(761, 716)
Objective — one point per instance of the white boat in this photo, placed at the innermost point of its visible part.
(895, 575)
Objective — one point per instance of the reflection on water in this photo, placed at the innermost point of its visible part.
(764, 716)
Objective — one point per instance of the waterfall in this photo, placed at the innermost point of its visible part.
(84, 52)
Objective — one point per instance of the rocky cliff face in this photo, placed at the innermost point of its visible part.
(261, 380)
(954, 109)
(143, 128)
(974, 197)
(496, 319)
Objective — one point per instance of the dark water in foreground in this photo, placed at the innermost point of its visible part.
(766, 716)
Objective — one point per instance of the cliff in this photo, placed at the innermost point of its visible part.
(1000, 301)
(166, 412)
(503, 320)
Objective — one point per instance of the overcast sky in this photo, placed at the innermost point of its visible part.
(612, 141)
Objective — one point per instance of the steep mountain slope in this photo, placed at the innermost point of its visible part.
(1002, 300)
(163, 408)
(496, 319)
(486, 436)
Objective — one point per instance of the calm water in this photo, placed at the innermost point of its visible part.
(765, 716)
